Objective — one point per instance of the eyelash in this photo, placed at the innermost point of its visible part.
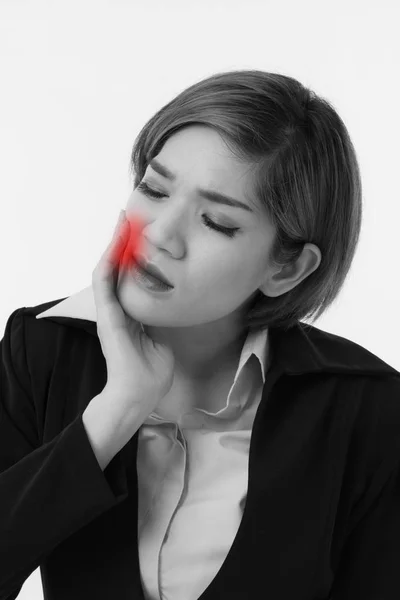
(230, 232)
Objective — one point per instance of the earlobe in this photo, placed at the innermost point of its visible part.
(272, 291)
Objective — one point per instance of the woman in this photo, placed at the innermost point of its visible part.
(225, 449)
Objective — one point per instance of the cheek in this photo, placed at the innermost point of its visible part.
(229, 273)
(243, 273)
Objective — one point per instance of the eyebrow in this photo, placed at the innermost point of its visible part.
(208, 194)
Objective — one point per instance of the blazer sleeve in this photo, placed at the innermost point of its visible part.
(369, 566)
(47, 491)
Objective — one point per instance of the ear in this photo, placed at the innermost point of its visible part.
(287, 277)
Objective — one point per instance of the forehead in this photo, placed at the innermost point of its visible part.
(198, 156)
(200, 146)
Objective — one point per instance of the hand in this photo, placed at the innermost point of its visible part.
(137, 367)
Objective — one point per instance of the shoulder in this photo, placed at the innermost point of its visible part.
(34, 345)
(379, 416)
(364, 393)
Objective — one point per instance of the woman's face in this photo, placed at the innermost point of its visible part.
(215, 275)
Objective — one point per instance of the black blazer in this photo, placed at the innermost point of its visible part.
(322, 515)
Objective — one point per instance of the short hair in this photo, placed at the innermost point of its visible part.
(306, 176)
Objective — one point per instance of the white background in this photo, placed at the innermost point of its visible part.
(78, 80)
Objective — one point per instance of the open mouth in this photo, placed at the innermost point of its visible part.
(153, 271)
(149, 281)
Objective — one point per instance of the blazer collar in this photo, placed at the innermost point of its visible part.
(299, 350)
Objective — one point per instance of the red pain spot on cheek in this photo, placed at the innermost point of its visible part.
(130, 246)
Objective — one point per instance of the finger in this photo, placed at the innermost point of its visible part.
(135, 243)
(116, 249)
(107, 267)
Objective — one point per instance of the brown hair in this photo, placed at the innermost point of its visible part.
(306, 176)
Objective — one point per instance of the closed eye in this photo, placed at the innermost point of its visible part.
(229, 231)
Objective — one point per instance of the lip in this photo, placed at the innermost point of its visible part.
(153, 270)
